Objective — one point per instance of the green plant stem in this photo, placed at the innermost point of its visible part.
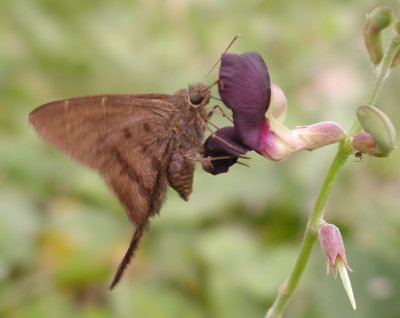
(317, 214)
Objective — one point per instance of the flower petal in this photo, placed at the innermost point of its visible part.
(278, 105)
(244, 86)
(317, 135)
(224, 142)
(278, 145)
(278, 142)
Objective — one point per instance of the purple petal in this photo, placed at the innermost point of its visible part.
(224, 142)
(244, 86)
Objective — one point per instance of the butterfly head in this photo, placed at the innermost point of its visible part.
(198, 95)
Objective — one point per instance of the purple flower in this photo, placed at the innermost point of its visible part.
(259, 109)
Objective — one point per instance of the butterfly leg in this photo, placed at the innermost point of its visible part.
(218, 110)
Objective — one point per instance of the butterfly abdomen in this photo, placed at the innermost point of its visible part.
(180, 174)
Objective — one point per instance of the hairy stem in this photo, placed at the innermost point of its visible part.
(345, 149)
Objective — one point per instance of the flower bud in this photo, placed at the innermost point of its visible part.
(364, 143)
(379, 126)
(397, 26)
(377, 20)
(380, 18)
(332, 245)
(396, 59)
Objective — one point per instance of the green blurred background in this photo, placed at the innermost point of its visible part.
(223, 253)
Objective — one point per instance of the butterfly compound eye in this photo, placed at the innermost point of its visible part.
(195, 99)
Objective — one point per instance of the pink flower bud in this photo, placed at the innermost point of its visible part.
(364, 143)
(332, 245)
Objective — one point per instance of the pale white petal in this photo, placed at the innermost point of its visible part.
(346, 282)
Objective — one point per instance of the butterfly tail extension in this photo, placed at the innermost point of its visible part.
(129, 254)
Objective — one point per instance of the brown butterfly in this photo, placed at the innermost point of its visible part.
(138, 143)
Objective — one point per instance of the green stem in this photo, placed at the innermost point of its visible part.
(345, 149)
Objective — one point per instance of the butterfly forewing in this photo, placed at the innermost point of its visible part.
(84, 127)
(122, 136)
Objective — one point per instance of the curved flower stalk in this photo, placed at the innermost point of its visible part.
(259, 109)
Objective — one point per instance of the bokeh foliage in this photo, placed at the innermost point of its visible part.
(224, 253)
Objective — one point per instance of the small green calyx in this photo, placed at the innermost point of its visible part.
(379, 126)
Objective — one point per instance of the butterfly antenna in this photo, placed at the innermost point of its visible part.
(226, 50)
(129, 254)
